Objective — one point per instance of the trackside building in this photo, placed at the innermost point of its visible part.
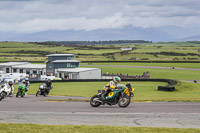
(59, 65)
(64, 66)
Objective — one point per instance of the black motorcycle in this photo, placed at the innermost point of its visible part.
(43, 90)
(121, 96)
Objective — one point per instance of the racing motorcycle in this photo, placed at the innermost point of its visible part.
(21, 90)
(43, 90)
(121, 96)
(4, 91)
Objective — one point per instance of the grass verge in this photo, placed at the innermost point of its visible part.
(35, 128)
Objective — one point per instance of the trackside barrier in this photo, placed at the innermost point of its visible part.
(169, 81)
(141, 61)
(166, 88)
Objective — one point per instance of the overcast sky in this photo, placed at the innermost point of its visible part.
(28, 16)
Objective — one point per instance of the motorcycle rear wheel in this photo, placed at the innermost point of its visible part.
(124, 102)
(95, 103)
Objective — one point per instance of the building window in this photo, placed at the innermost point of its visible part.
(72, 65)
(14, 70)
(20, 70)
(70, 57)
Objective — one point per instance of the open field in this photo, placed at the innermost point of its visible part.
(179, 65)
(155, 73)
(34, 128)
(146, 52)
(144, 91)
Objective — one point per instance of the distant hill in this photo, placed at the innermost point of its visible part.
(161, 34)
(126, 33)
(191, 38)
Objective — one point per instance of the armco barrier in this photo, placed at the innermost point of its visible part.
(169, 81)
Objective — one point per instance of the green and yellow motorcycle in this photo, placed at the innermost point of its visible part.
(121, 96)
(21, 90)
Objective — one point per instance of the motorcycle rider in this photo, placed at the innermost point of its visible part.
(27, 83)
(48, 85)
(10, 85)
(111, 85)
(24, 86)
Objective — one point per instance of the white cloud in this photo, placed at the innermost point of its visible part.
(40, 15)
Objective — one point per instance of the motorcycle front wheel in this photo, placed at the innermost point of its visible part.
(45, 94)
(18, 93)
(94, 102)
(2, 94)
(37, 93)
(124, 102)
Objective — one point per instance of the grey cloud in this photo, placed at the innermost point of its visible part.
(41, 15)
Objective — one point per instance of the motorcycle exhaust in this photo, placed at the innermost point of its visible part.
(97, 100)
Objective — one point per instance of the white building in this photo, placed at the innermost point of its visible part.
(30, 69)
(79, 73)
(64, 66)
(126, 48)
(59, 65)
(8, 66)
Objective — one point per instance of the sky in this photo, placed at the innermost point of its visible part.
(32, 16)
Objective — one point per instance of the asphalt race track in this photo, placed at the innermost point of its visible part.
(32, 109)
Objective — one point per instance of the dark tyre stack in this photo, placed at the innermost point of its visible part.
(166, 88)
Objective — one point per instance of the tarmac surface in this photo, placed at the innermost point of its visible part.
(36, 110)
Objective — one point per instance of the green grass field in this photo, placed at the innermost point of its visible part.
(178, 65)
(144, 91)
(155, 73)
(151, 52)
(35, 128)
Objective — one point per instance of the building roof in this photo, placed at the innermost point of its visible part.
(60, 55)
(76, 70)
(65, 61)
(31, 66)
(13, 63)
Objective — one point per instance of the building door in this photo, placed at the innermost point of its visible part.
(34, 72)
(14, 70)
(27, 71)
(20, 70)
(66, 76)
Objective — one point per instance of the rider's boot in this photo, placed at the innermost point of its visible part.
(10, 94)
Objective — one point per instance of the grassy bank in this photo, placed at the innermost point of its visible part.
(144, 91)
(176, 65)
(155, 73)
(34, 128)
